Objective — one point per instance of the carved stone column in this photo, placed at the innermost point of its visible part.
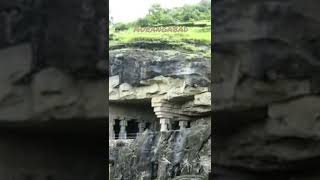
(109, 171)
(164, 124)
(170, 125)
(166, 112)
(123, 131)
(142, 126)
(111, 128)
(183, 124)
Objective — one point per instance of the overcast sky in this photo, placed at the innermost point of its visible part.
(130, 10)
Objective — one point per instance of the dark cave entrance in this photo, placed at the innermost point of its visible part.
(132, 129)
(148, 125)
(175, 125)
(116, 128)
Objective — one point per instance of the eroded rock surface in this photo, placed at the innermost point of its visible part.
(164, 155)
(266, 80)
(136, 65)
(175, 86)
(53, 91)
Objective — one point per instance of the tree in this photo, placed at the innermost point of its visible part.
(188, 13)
(121, 27)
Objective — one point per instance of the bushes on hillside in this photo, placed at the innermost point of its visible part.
(121, 27)
(188, 13)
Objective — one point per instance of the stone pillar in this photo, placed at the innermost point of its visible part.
(170, 125)
(109, 171)
(123, 131)
(142, 126)
(164, 124)
(111, 128)
(183, 124)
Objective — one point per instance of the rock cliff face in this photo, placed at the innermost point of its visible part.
(175, 86)
(164, 155)
(266, 89)
(52, 89)
(136, 65)
(63, 34)
(61, 84)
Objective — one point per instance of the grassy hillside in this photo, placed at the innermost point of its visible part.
(197, 39)
(191, 41)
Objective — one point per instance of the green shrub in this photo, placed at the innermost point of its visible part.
(121, 27)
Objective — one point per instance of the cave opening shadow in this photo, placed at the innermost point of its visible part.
(116, 128)
(133, 129)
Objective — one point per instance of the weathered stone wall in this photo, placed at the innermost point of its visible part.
(64, 78)
(67, 34)
(51, 77)
(164, 155)
(266, 89)
(173, 82)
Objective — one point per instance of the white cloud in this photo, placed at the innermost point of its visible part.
(130, 10)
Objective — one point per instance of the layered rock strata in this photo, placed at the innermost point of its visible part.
(52, 89)
(266, 89)
(175, 86)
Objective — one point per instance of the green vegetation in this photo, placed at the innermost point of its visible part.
(188, 13)
(193, 35)
(197, 18)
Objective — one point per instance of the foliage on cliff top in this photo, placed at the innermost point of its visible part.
(195, 17)
(199, 35)
(189, 41)
(187, 13)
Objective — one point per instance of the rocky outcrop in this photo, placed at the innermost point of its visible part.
(136, 65)
(265, 79)
(52, 89)
(67, 39)
(164, 155)
(48, 94)
(176, 86)
(49, 73)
